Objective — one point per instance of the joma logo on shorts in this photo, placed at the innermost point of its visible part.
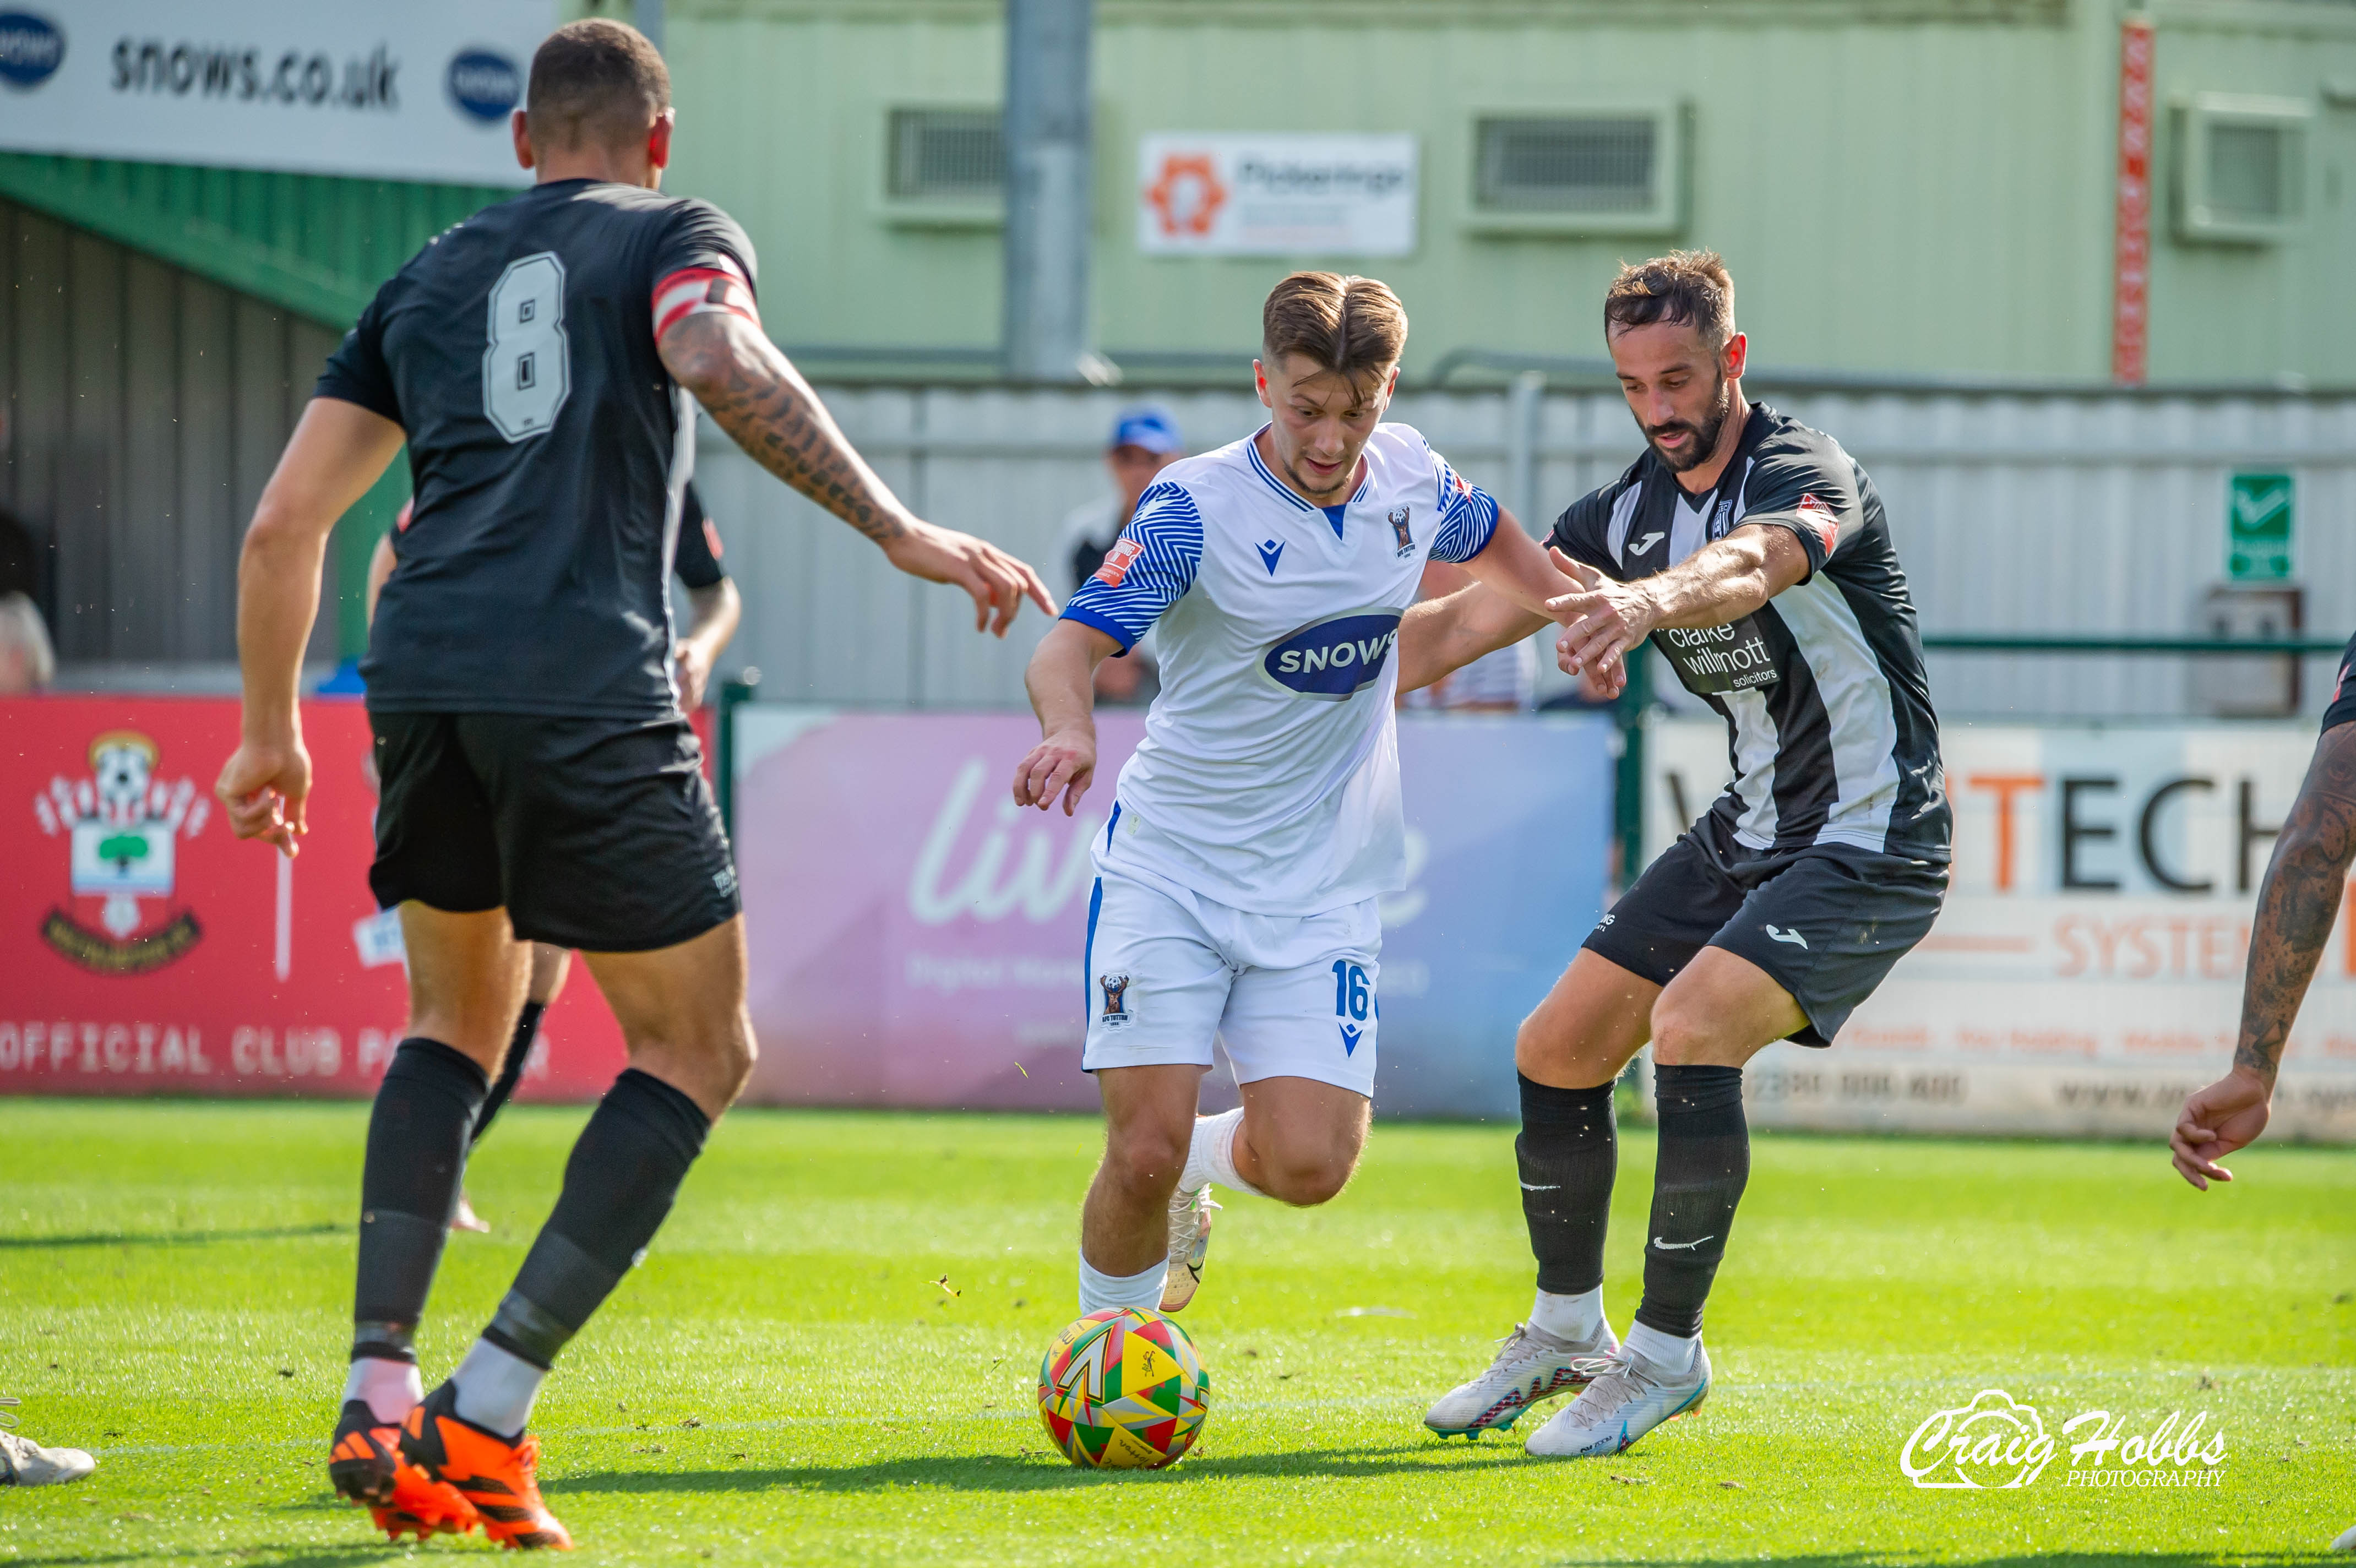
(1335, 657)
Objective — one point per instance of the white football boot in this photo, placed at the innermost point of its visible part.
(25, 1463)
(1531, 1365)
(1627, 1398)
(1190, 1245)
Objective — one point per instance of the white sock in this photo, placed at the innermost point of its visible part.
(1664, 1350)
(1211, 1155)
(1577, 1319)
(495, 1388)
(389, 1388)
(1099, 1291)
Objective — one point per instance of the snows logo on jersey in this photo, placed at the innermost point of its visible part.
(1335, 657)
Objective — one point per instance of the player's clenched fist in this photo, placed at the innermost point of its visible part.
(1065, 763)
(265, 789)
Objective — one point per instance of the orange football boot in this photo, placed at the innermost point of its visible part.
(498, 1479)
(365, 1463)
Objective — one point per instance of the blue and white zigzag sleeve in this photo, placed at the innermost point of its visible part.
(1148, 570)
(1468, 517)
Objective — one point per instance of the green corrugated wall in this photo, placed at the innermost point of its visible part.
(315, 245)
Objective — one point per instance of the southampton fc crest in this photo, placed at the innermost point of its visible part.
(122, 825)
(1398, 517)
(1116, 1013)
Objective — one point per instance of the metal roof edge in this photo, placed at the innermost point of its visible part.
(49, 185)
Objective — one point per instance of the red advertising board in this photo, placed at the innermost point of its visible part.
(144, 950)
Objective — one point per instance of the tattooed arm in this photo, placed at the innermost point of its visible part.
(753, 389)
(2297, 904)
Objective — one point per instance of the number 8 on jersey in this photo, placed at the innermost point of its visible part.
(526, 369)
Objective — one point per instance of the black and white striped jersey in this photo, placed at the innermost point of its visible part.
(1823, 687)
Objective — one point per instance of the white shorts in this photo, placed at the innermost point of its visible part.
(1291, 997)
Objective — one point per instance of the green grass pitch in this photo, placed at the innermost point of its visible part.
(783, 1381)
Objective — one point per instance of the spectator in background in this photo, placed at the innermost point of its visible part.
(1145, 441)
(1503, 681)
(26, 661)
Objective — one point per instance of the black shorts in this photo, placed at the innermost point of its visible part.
(1828, 922)
(593, 833)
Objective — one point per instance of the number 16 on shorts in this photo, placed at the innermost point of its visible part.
(1353, 999)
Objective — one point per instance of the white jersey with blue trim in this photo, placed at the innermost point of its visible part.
(1269, 777)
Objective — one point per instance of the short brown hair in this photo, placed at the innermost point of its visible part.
(1684, 288)
(1353, 327)
(595, 82)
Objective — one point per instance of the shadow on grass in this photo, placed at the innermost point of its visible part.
(307, 1555)
(170, 1238)
(1007, 1473)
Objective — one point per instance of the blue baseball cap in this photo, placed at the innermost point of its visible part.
(1148, 427)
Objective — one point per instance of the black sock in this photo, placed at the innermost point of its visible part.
(1704, 1161)
(409, 1189)
(510, 1070)
(1569, 1153)
(619, 1185)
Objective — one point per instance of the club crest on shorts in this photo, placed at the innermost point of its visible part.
(1116, 1013)
(1399, 519)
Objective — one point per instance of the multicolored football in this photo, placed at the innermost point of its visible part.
(1123, 1390)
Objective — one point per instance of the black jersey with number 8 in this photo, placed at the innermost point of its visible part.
(548, 447)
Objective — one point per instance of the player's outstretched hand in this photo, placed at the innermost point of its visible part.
(265, 789)
(998, 582)
(2227, 1116)
(1065, 763)
(1601, 623)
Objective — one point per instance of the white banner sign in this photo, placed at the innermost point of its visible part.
(2086, 973)
(418, 91)
(1275, 195)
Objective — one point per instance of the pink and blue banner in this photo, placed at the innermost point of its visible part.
(916, 940)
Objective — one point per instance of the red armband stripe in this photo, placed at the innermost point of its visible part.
(694, 290)
(1819, 517)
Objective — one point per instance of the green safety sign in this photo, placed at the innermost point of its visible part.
(2257, 527)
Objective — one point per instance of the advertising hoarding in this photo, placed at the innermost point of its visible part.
(916, 940)
(1276, 194)
(2086, 973)
(421, 90)
(144, 950)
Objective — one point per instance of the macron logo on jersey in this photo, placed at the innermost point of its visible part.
(1334, 659)
(1270, 552)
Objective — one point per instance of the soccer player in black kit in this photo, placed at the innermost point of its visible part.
(1754, 553)
(543, 362)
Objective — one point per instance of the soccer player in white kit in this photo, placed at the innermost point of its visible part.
(1254, 829)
